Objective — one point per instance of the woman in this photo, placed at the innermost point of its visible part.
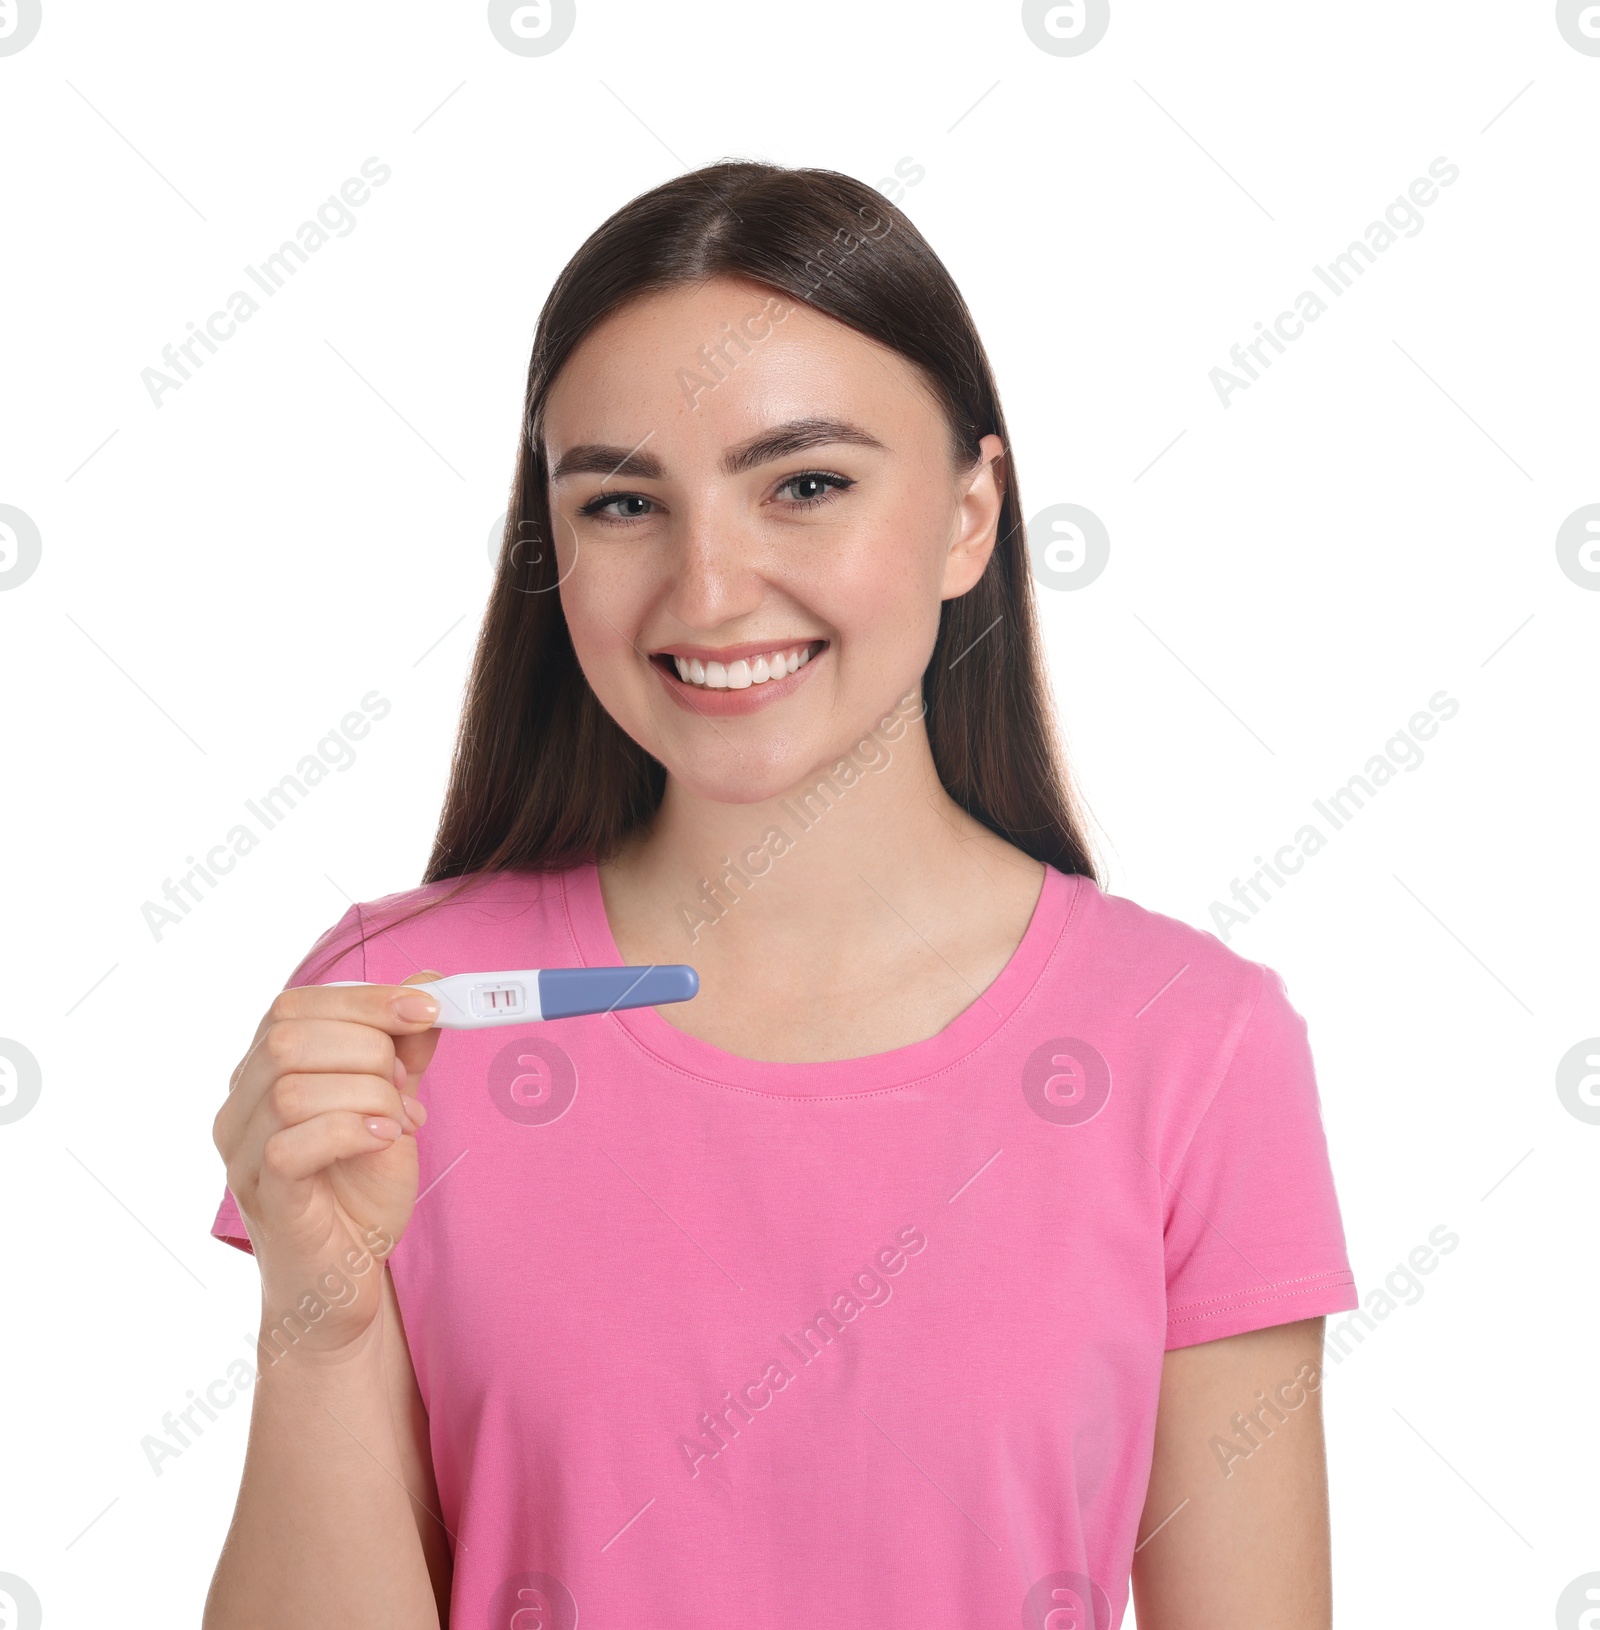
(965, 1243)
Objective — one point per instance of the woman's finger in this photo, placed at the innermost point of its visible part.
(301, 1151)
(300, 1097)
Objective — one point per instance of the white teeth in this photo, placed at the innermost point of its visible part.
(745, 672)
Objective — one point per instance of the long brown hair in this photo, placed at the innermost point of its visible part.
(542, 777)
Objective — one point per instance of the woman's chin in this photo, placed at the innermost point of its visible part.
(739, 786)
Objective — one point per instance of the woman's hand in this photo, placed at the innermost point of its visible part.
(318, 1135)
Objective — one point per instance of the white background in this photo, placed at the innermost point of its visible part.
(306, 521)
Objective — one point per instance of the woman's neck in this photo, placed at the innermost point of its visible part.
(853, 888)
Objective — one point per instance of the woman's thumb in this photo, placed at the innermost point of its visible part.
(416, 1051)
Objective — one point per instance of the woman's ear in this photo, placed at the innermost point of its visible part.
(977, 520)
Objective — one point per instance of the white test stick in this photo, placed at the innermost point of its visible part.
(477, 1001)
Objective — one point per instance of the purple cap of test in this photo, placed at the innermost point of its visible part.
(564, 993)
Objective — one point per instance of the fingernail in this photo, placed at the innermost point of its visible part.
(416, 1008)
(416, 1109)
(380, 1126)
(398, 1076)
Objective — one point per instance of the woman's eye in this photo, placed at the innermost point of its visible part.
(814, 487)
(601, 506)
(804, 491)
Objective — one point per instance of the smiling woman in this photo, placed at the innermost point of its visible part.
(763, 667)
(616, 1241)
(868, 340)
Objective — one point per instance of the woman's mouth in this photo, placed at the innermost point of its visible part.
(741, 679)
(743, 672)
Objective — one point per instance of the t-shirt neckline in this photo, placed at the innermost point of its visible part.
(987, 1014)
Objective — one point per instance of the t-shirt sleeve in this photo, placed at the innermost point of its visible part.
(338, 954)
(1253, 1232)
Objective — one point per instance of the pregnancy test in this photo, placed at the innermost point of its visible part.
(475, 1001)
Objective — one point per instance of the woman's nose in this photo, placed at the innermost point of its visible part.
(714, 565)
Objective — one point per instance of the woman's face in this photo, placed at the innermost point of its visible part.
(743, 488)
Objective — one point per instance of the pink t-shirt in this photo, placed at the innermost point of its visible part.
(873, 1342)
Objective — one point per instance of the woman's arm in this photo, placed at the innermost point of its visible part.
(334, 1523)
(1235, 1525)
(336, 1520)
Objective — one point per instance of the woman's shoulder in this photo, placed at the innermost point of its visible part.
(488, 891)
(1149, 985)
(508, 918)
(1139, 942)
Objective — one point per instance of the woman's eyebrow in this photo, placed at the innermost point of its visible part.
(600, 458)
(792, 437)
